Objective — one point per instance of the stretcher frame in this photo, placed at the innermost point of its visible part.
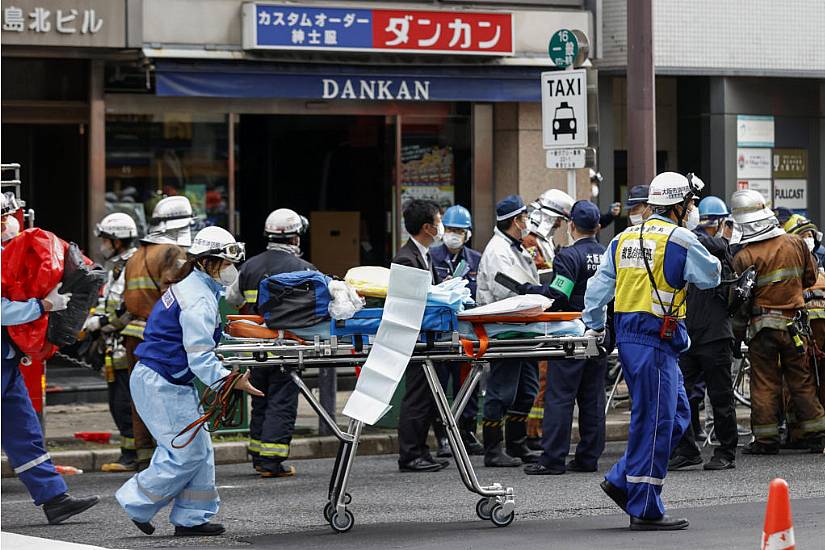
(497, 503)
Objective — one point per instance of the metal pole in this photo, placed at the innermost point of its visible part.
(327, 392)
(641, 94)
(571, 183)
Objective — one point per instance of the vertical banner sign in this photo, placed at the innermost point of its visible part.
(564, 109)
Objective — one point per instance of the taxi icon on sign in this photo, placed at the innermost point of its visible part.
(564, 121)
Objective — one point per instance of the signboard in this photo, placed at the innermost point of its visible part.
(317, 28)
(754, 131)
(791, 194)
(563, 48)
(84, 23)
(790, 163)
(753, 163)
(564, 109)
(762, 186)
(565, 158)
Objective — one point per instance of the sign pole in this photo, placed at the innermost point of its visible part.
(571, 182)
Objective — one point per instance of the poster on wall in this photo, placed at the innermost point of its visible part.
(762, 186)
(753, 163)
(427, 172)
(790, 163)
(791, 193)
(754, 131)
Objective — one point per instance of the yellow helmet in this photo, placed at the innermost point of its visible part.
(798, 224)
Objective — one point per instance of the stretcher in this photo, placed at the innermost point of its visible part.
(477, 341)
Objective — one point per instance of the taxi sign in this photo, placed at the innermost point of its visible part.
(564, 109)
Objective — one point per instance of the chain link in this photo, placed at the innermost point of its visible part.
(75, 361)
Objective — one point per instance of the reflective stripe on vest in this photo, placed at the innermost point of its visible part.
(141, 283)
(251, 296)
(779, 275)
(634, 293)
(134, 329)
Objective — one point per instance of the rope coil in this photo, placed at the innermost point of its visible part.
(220, 402)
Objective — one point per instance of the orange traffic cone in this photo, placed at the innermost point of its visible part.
(778, 532)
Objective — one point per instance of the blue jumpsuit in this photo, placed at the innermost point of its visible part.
(660, 412)
(22, 435)
(179, 341)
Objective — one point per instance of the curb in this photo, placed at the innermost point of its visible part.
(304, 448)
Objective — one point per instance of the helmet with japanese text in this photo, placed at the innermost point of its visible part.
(284, 223)
(753, 218)
(557, 202)
(116, 226)
(671, 189)
(216, 242)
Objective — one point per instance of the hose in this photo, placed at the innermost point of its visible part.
(221, 403)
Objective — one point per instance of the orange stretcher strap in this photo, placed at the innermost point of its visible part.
(248, 330)
(483, 343)
(515, 318)
(254, 318)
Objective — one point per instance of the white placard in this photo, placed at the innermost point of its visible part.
(754, 131)
(564, 109)
(559, 159)
(791, 194)
(752, 163)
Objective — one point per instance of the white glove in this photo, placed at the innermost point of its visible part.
(597, 334)
(54, 301)
(92, 324)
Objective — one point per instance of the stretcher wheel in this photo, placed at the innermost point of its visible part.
(341, 523)
(484, 509)
(329, 508)
(498, 517)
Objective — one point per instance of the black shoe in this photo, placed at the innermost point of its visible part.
(497, 458)
(757, 448)
(616, 495)
(526, 455)
(719, 463)
(444, 450)
(574, 466)
(203, 530)
(665, 523)
(534, 444)
(147, 527)
(420, 465)
(539, 469)
(64, 506)
(679, 462)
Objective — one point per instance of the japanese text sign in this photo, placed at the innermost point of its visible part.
(92, 23)
(289, 27)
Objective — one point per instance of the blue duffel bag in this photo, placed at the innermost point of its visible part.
(366, 321)
(294, 300)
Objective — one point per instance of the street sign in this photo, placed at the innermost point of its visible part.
(560, 159)
(563, 48)
(564, 109)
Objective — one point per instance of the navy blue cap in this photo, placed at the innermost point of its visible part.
(783, 214)
(585, 215)
(636, 195)
(509, 206)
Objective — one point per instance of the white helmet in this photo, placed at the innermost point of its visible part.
(116, 226)
(171, 213)
(218, 242)
(753, 218)
(670, 189)
(283, 223)
(10, 204)
(557, 202)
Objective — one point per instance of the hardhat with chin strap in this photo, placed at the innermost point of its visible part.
(753, 218)
(457, 216)
(713, 207)
(557, 202)
(671, 189)
(217, 242)
(798, 224)
(116, 226)
(171, 213)
(283, 223)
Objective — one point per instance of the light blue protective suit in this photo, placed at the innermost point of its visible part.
(186, 314)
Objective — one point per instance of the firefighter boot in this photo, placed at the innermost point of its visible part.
(276, 470)
(494, 455)
(127, 462)
(467, 427)
(517, 439)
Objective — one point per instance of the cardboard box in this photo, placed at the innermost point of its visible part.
(335, 241)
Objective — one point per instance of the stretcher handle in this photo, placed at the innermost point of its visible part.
(515, 318)
(483, 342)
(245, 330)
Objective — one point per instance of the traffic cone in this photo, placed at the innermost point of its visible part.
(778, 531)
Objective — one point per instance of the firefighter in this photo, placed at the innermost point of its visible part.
(453, 258)
(273, 414)
(646, 268)
(178, 346)
(785, 267)
(802, 226)
(513, 383)
(149, 272)
(22, 435)
(116, 232)
(710, 355)
(548, 213)
(573, 381)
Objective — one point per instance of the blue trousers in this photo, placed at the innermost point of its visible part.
(185, 476)
(574, 381)
(511, 387)
(659, 415)
(452, 371)
(23, 438)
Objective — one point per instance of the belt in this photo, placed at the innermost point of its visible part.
(790, 313)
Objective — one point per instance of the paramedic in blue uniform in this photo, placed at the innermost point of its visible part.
(573, 381)
(22, 439)
(454, 258)
(513, 383)
(178, 346)
(646, 268)
(273, 416)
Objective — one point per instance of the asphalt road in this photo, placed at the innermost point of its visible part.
(395, 510)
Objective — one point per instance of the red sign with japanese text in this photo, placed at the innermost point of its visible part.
(443, 32)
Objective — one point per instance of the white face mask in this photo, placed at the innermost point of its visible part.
(636, 219)
(524, 231)
(106, 250)
(439, 235)
(228, 275)
(454, 241)
(810, 243)
(692, 219)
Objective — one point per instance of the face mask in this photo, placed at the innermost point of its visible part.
(810, 243)
(228, 275)
(439, 235)
(454, 241)
(692, 219)
(106, 250)
(524, 231)
(636, 219)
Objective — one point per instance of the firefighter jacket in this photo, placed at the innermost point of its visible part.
(784, 268)
(113, 310)
(149, 272)
(815, 299)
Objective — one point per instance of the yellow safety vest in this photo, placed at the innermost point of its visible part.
(634, 293)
